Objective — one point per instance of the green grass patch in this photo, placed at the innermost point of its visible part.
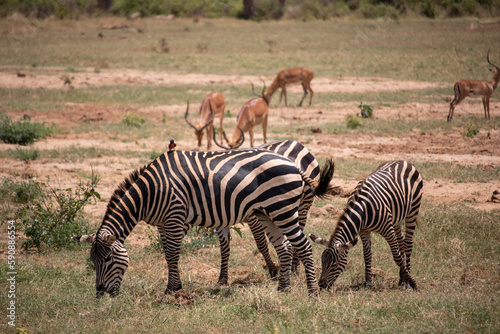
(455, 288)
(22, 132)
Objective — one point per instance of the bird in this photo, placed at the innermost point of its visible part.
(172, 145)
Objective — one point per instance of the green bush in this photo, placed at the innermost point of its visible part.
(429, 9)
(131, 119)
(47, 216)
(353, 122)
(22, 132)
(379, 10)
(472, 129)
(366, 110)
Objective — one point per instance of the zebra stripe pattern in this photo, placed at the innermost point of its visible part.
(379, 203)
(308, 165)
(211, 189)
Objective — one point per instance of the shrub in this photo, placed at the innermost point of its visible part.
(471, 130)
(131, 119)
(48, 216)
(22, 132)
(366, 110)
(429, 9)
(353, 122)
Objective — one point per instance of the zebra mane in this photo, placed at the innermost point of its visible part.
(350, 201)
(123, 187)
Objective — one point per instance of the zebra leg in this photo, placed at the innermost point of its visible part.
(367, 254)
(411, 223)
(398, 258)
(172, 236)
(304, 207)
(304, 250)
(261, 241)
(282, 246)
(224, 240)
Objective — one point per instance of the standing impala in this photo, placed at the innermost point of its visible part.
(476, 88)
(292, 75)
(254, 112)
(214, 101)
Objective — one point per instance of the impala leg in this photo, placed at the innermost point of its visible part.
(220, 123)
(311, 95)
(264, 128)
(486, 106)
(303, 96)
(283, 93)
(251, 137)
(210, 130)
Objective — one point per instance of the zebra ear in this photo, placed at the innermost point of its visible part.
(318, 240)
(108, 238)
(345, 247)
(84, 238)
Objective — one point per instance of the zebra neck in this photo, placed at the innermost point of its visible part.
(350, 223)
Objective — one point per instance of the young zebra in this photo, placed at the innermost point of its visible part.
(380, 202)
(211, 189)
(309, 166)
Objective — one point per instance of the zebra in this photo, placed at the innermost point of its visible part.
(307, 164)
(211, 189)
(379, 203)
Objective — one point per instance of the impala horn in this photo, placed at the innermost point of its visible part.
(242, 139)
(204, 126)
(489, 62)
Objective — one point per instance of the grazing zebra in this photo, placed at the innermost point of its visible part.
(211, 189)
(380, 202)
(308, 165)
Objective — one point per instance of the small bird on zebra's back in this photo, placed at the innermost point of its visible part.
(172, 145)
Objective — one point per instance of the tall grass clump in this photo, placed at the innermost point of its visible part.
(48, 216)
(22, 132)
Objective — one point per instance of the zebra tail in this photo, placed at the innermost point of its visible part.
(322, 188)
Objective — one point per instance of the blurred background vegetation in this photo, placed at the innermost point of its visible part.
(253, 9)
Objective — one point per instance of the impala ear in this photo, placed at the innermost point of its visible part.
(318, 240)
(345, 247)
(88, 239)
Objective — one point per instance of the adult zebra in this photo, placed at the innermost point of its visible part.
(379, 203)
(308, 165)
(211, 189)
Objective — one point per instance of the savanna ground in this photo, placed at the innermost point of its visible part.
(84, 76)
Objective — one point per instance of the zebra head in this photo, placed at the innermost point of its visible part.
(110, 260)
(333, 259)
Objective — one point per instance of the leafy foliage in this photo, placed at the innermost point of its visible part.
(263, 9)
(48, 216)
(353, 121)
(366, 110)
(22, 132)
(471, 129)
(131, 119)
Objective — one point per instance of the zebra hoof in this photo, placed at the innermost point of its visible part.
(222, 281)
(170, 291)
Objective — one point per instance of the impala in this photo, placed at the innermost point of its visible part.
(213, 104)
(254, 112)
(292, 75)
(476, 88)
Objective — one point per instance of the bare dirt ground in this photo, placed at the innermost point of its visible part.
(483, 149)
